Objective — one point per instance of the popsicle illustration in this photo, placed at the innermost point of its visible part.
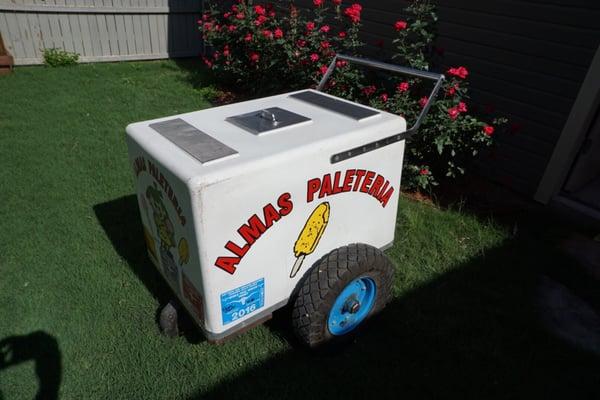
(310, 235)
(184, 251)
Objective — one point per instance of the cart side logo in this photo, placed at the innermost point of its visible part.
(253, 230)
(352, 180)
(368, 182)
(141, 165)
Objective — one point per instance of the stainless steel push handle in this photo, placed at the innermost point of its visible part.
(438, 78)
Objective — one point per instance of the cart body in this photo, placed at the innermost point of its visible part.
(229, 197)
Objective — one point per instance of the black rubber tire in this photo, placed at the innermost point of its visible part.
(326, 280)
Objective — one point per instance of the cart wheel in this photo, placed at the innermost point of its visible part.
(168, 320)
(345, 288)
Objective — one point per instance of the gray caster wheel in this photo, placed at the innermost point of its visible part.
(168, 320)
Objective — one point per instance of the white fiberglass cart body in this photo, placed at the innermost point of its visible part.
(233, 218)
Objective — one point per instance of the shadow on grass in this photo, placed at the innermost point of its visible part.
(122, 224)
(217, 90)
(40, 348)
(196, 73)
(488, 329)
(516, 321)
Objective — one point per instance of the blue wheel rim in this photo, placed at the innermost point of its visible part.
(352, 306)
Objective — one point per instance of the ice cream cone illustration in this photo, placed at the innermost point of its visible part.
(310, 235)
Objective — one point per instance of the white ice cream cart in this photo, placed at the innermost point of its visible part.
(288, 199)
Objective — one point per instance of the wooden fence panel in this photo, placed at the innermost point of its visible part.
(101, 30)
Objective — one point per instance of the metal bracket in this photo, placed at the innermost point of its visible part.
(438, 78)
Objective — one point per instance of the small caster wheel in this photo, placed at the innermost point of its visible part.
(346, 287)
(168, 320)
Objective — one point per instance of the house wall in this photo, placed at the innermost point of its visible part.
(527, 60)
(101, 30)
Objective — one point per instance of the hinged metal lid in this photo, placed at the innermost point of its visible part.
(198, 144)
(354, 111)
(266, 120)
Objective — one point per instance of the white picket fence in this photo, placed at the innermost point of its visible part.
(101, 30)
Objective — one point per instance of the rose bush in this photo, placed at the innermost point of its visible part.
(262, 50)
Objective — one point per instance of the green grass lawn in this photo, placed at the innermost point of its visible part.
(78, 297)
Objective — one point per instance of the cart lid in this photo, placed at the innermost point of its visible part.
(230, 135)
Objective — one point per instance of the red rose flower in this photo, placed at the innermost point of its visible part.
(460, 72)
(310, 26)
(259, 10)
(240, 16)
(384, 97)
(301, 42)
(234, 8)
(400, 25)
(208, 63)
(254, 57)
(452, 90)
(337, 2)
(353, 12)
(227, 15)
(342, 34)
(462, 107)
(323, 69)
(369, 90)
(267, 34)
(325, 28)
(423, 101)
(424, 171)
(314, 57)
(278, 33)
(318, 3)
(248, 37)
(341, 63)
(226, 51)
(325, 45)
(402, 87)
(488, 130)
(453, 113)
(261, 19)
(232, 28)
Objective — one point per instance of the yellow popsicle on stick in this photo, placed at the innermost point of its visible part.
(310, 235)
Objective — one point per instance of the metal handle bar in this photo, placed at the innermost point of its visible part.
(438, 78)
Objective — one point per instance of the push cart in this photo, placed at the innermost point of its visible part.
(289, 199)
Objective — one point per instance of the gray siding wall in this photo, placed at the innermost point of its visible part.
(101, 30)
(526, 58)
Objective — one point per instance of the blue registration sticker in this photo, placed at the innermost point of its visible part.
(242, 301)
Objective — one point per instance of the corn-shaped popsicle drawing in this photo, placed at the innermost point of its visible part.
(310, 235)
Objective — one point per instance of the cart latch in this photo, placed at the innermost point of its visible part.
(267, 120)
